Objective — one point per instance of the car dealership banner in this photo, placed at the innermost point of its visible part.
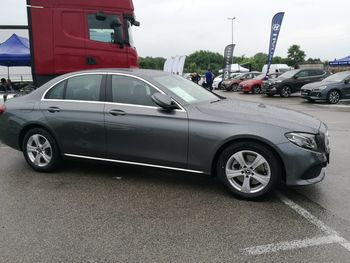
(275, 30)
(227, 61)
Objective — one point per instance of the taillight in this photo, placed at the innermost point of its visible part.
(2, 109)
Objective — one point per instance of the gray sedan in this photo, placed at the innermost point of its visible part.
(155, 119)
(331, 89)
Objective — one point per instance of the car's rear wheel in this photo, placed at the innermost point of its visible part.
(256, 89)
(333, 97)
(235, 87)
(285, 92)
(249, 170)
(40, 150)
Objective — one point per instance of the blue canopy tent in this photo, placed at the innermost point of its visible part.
(15, 52)
(340, 62)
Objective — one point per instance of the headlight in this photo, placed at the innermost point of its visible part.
(304, 140)
(278, 81)
(319, 88)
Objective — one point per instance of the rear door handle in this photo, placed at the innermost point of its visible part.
(53, 109)
(117, 112)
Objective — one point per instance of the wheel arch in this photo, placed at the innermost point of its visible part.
(35, 125)
(335, 89)
(255, 139)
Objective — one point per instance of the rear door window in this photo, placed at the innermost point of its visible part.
(86, 88)
(57, 92)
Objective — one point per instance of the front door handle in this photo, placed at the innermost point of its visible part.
(53, 109)
(117, 112)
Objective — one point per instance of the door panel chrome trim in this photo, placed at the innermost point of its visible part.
(133, 163)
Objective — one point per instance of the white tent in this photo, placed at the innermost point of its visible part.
(236, 68)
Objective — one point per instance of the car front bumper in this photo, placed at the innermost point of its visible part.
(269, 88)
(302, 166)
(313, 95)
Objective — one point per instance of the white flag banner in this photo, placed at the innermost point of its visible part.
(181, 65)
(166, 65)
(175, 67)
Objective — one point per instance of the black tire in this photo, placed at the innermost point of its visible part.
(228, 88)
(256, 89)
(333, 97)
(41, 161)
(285, 92)
(219, 85)
(235, 87)
(249, 147)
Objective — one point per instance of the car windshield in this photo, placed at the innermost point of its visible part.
(289, 74)
(260, 77)
(338, 77)
(185, 89)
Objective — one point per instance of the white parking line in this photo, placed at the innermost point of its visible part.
(331, 235)
(289, 245)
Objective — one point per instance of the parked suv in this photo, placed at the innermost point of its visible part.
(292, 81)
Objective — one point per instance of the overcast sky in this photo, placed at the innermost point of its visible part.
(180, 27)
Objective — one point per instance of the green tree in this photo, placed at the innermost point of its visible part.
(201, 60)
(151, 63)
(296, 55)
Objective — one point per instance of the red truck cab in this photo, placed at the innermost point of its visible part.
(71, 35)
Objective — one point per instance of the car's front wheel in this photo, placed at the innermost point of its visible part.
(256, 89)
(249, 169)
(40, 150)
(333, 97)
(285, 92)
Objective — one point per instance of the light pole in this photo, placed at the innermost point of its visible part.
(232, 18)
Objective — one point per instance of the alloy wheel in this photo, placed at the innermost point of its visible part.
(334, 97)
(248, 171)
(39, 150)
(285, 92)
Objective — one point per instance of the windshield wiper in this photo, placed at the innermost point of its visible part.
(215, 101)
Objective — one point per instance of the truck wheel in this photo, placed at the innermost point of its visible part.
(285, 92)
(40, 150)
(249, 170)
(333, 97)
(256, 89)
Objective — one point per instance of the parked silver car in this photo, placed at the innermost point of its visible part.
(155, 119)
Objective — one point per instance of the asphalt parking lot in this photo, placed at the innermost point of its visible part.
(93, 212)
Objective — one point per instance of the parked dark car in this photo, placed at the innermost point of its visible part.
(332, 89)
(156, 119)
(292, 81)
(233, 83)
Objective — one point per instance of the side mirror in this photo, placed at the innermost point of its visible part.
(295, 77)
(100, 16)
(346, 81)
(164, 101)
(117, 35)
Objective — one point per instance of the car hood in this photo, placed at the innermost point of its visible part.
(250, 82)
(233, 110)
(318, 84)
